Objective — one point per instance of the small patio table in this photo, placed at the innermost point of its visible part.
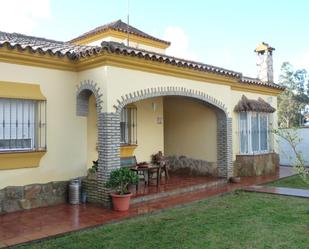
(148, 168)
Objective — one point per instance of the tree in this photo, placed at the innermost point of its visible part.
(286, 76)
(299, 164)
(288, 110)
(292, 102)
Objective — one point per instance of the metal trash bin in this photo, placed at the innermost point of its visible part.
(74, 191)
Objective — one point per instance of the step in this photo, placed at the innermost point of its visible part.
(278, 191)
(178, 191)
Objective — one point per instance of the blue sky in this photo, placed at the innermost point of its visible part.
(222, 33)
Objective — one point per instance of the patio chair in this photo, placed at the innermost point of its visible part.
(161, 160)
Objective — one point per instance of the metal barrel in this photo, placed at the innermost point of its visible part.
(74, 191)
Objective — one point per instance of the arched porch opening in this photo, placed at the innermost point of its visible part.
(192, 128)
(89, 105)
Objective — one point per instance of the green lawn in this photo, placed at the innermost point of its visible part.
(235, 220)
(290, 182)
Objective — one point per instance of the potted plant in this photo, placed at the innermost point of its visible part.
(119, 180)
(92, 172)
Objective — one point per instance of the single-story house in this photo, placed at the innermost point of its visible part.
(113, 92)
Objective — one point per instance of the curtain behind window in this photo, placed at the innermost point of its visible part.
(243, 133)
(255, 131)
(263, 131)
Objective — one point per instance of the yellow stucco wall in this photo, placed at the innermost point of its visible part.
(190, 129)
(66, 132)
(122, 81)
(67, 144)
(92, 132)
(150, 133)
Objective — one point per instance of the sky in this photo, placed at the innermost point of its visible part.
(222, 33)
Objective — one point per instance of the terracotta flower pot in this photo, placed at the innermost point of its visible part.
(121, 202)
(235, 179)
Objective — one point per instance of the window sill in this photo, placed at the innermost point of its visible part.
(256, 153)
(127, 150)
(20, 159)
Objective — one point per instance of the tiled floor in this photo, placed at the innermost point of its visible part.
(174, 182)
(44, 222)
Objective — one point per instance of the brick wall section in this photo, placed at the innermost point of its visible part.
(109, 151)
(229, 149)
(224, 145)
(90, 187)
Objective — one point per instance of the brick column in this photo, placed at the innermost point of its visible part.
(109, 152)
(224, 145)
(229, 148)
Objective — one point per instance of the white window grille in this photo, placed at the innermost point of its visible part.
(254, 134)
(128, 125)
(22, 125)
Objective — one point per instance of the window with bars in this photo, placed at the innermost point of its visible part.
(22, 125)
(128, 125)
(254, 132)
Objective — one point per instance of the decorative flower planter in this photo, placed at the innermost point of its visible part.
(121, 202)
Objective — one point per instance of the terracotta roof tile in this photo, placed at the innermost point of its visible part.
(118, 26)
(41, 45)
(75, 52)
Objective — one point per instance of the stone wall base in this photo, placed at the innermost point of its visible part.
(17, 198)
(190, 166)
(256, 165)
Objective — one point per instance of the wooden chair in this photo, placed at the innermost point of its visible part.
(163, 162)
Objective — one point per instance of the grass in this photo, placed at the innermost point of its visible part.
(290, 182)
(235, 220)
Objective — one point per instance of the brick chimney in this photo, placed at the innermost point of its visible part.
(264, 62)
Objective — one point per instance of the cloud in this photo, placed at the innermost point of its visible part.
(23, 16)
(179, 43)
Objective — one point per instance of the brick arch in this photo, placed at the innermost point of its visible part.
(169, 91)
(84, 90)
(224, 122)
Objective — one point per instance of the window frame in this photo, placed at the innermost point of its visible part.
(38, 137)
(128, 124)
(249, 134)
